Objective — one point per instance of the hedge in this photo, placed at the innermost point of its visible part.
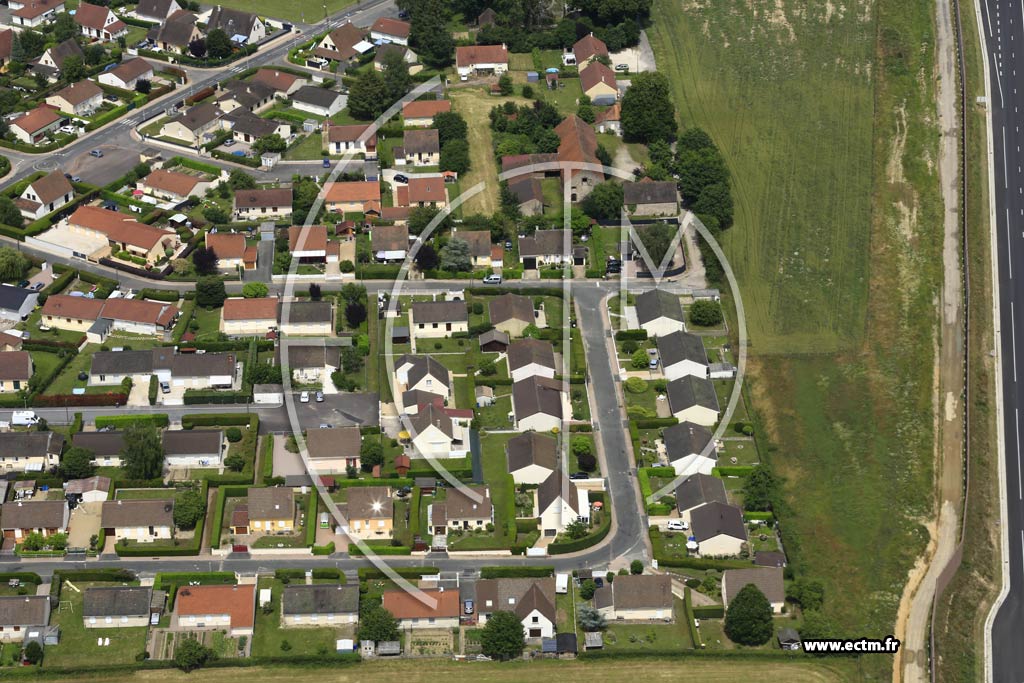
(324, 549)
(708, 612)
(688, 612)
(525, 291)
(79, 400)
(24, 577)
(267, 455)
(631, 335)
(50, 345)
(223, 493)
(517, 572)
(168, 295)
(205, 396)
(371, 573)
(581, 427)
(656, 422)
(414, 517)
(192, 548)
(244, 161)
(192, 164)
(215, 420)
(732, 471)
(58, 284)
(756, 515)
(355, 551)
(311, 521)
(158, 420)
(590, 540)
(235, 345)
(525, 526)
(154, 384)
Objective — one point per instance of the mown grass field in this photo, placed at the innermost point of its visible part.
(825, 115)
(307, 11)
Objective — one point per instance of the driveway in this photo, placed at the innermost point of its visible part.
(116, 160)
(639, 58)
(84, 524)
(264, 263)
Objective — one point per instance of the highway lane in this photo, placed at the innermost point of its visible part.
(1003, 32)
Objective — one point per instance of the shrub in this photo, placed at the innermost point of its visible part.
(629, 346)
(233, 434)
(635, 385)
(639, 359)
(706, 313)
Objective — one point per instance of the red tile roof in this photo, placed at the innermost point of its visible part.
(481, 54)
(426, 190)
(118, 227)
(311, 238)
(239, 602)
(391, 27)
(587, 47)
(595, 73)
(354, 191)
(404, 605)
(37, 119)
(423, 109)
(174, 182)
(250, 309)
(226, 245)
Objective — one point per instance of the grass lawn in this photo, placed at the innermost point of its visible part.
(565, 97)
(675, 636)
(496, 416)
(209, 323)
(44, 362)
(268, 634)
(78, 643)
(303, 10)
(309, 147)
(565, 608)
(648, 399)
(497, 477)
(465, 397)
(144, 494)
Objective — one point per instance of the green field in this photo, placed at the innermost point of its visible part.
(306, 11)
(826, 120)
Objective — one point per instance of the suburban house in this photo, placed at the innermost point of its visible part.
(598, 83)
(174, 186)
(697, 490)
(512, 314)
(271, 510)
(45, 195)
(440, 432)
(423, 374)
(121, 233)
(191, 371)
(421, 113)
(50, 62)
(319, 101)
(83, 314)
(389, 243)
(560, 502)
(15, 371)
(462, 510)
(684, 446)
(242, 27)
(21, 518)
(230, 608)
(319, 605)
(117, 606)
(30, 451)
(80, 99)
(261, 205)
(422, 192)
(34, 13)
(99, 23)
(156, 11)
(587, 49)
(387, 30)
(356, 139)
(609, 120)
(441, 611)
(241, 316)
(95, 489)
(251, 96)
(718, 529)
(643, 597)
(193, 125)
(370, 512)
(768, 580)
(481, 59)
(538, 403)
(421, 147)
(281, 82)
(532, 457)
(578, 145)
(311, 364)
(334, 450)
(308, 243)
(248, 127)
(545, 248)
(232, 251)
(650, 198)
(529, 194)
(175, 33)
(127, 74)
(659, 312)
(410, 58)
(531, 600)
(194, 447)
(354, 196)
(16, 302)
(142, 521)
(438, 318)
(105, 446)
(307, 318)
(693, 399)
(682, 355)
(22, 613)
(32, 127)
(343, 44)
(531, 358)
(479, 242)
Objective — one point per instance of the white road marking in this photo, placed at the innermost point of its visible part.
(989, 20)
(1013, 340)
(1009, 261)
(1006, 175)
(1020, 480)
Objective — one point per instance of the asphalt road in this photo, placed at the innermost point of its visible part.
(1003, 31)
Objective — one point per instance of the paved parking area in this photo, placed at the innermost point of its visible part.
(114, 163)
(84, 524)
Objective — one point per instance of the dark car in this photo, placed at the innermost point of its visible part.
(579, 475)
(401, 178)
(23, 283)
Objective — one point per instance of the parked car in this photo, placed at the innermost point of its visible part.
(324, 425)
(229, 142)
(327, 162)
(165, 387)
(579, 475)
(319, 397)
(677, 525)
(492, 279)
(96, 153)
(467, 607)
(70, 130)
(653, 364)
(622, 67)
(304, 397)
(37, 286)
(23, 283)
(76, 179)
(401, 178)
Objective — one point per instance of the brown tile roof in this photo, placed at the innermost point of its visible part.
(95, 17)
(78, 307)
(350, 133)
(481, 54)
(439, 311)
(578, 143)
(276, 502)
(649, 191)
(395, 213)
(240, 515)
(595, 73)
(139, 311)
(280, 81)
(403, 605)
(172, 181)
(250, 309)
(255, 199)
(33, 514)
(769, 581)
(238, 602)
(336, 442)
(119, 227)
(131, 69)
(6, 38)
(353, 191)
(532, 448)
(389, 238)
(15, 365)
(587, 47)
(479, 241)
(131, 513)
(426, 190)
(423, 141)
(423, 109)
(226, 245)
(79, 92)
(369, 502)
(34, 8)
(345, 37)
(645, 591)
(391, 27)
(307, 238)
(526, 188)
(198, 116)
(558, 485)
(95, 483)
(537, 395)
(51, 187)
(544, 243)
(511, 307)
(37, 119)
(458, 505)
(612, 113)
(523, 352)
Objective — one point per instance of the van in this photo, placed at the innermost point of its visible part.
(492, 279)
(24, 418)
(676, 525)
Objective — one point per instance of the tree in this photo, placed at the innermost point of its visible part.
(816, 626)
(422, 216)
(586, 113)
(142, 453)
(426, 257)
(377, 624)
(590, 619)
(505, 84)
(647, 112)
(10, 215)
(604, 201)
(263, 373)
(576, 529)
(581, 446)
(639, 359)
(235, 462)
(94, 54)
(367, 97)
(215, 214)
(509, 201)
(760, 489)
(809, 593)
(705, 313)
(699, 169)
(190, 655)
(64, 27)
(314, 292)
(197, 48)
(240, 180)
(34, 651)
(748, 621)
(395, 75)
(587, 589)
(13, 264)
(33, 43)
(254, 290)
(587, 462)
(657, 239)
(715, 200)
(450, 126)
(502, 637)
(210, 292)
(34, 541)
(456, 257)
(189, 508)
(304, 194)
(370, 453)
(73, 69)
(636, 567)
(218, 45)
(430, 35)
(143, 86)
(270, 143)
(77, 463)
(355, 313)
(205, 260)
(455, 156)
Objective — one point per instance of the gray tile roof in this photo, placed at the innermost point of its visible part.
(698, 489)
(645, 591)
(307, 312)
(439, 312)
(558, 484)
(316, 96)
(690, 391)
(276, 502)
(31, 444)
(532, 448)
(193, 442)
(715, 519)
(686, 438)
(545, 243)
(320, 599)
(679, 346)
(100, 443)
(657, 303)
(649, 192)
(767, 579)
(132, 513)
(25, 610)
(117, 601)
(422, 141)
(422, 366)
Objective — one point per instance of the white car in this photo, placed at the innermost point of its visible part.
(492, 279)
(676, 525)
(304, 397)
